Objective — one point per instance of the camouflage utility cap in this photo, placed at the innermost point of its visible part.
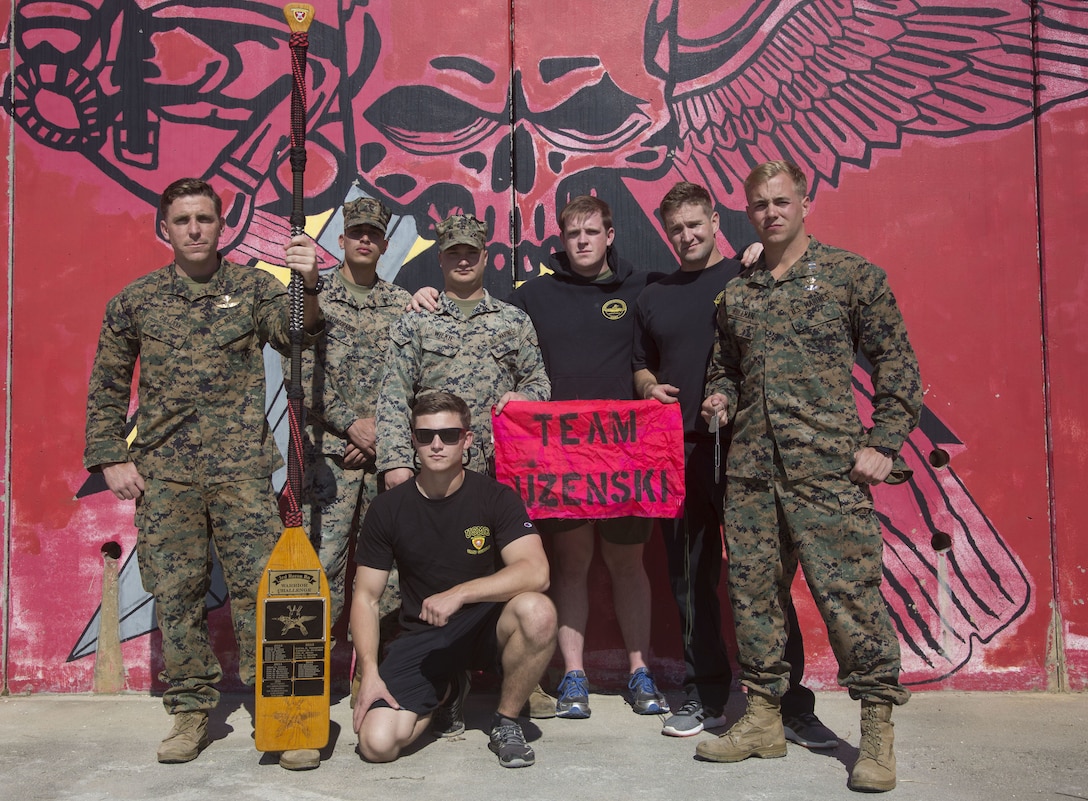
(461, 229)
(366, 211)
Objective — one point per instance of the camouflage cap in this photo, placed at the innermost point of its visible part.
(461, 229)
(366, 211)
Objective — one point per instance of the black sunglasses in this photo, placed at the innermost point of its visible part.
(449, 436)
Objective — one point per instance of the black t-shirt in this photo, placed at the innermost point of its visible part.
(674, 332)
(440, 543)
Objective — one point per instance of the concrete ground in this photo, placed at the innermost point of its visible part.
(950, 747)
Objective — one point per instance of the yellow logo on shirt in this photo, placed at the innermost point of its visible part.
(477, 537)
(614, 309)
(718, 298)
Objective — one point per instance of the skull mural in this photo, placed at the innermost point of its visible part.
(468, 130)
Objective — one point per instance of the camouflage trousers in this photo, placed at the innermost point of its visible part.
(178, 526)
(828, 524)
(335, 499)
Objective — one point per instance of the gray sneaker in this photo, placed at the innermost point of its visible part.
(508, 743)
(692, 718)
(186, 739)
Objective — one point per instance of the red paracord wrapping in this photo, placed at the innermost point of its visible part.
(293, 490)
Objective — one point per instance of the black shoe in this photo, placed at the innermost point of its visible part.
(806, 729)
(449, 719)
(508, 743)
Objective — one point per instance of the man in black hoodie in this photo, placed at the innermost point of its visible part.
(584, 314)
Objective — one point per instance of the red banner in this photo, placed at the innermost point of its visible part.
(592, 458)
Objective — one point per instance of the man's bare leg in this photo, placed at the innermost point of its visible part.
(572, 553)
(630, 598)
(527, 634)
(386, 732)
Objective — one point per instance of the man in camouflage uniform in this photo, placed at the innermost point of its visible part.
(801, 463)
(200, 466)
(342, 379)
(465, 342)
(473, 345)
(674, 337)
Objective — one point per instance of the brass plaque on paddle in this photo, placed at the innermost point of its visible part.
(292, 705)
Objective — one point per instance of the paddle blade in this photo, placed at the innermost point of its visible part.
(292, 699)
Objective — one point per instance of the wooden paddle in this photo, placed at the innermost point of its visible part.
(292, 702)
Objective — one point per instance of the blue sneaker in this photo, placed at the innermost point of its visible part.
(644, 696)
(573, 696)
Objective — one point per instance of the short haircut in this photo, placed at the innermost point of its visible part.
(769, 169)
(685, 194)
(585, 206)
(189, 187)
(439, 402)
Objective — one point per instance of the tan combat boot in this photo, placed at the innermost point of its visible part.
(186, 740)
(300, 759)
(356, 683)
(758, 733)
(540, 704)
(874, 772)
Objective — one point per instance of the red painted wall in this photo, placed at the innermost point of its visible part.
(5, 294)
(1065, 296)
(976, 220)
(954, 225)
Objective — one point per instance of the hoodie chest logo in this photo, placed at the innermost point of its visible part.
(614, 309)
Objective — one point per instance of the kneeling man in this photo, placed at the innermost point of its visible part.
(473, 573)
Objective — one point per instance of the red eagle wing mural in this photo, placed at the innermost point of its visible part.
(825, 83)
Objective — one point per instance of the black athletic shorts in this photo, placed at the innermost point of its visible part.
(420, 664)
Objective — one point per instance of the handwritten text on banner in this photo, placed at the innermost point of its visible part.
(592, 458)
